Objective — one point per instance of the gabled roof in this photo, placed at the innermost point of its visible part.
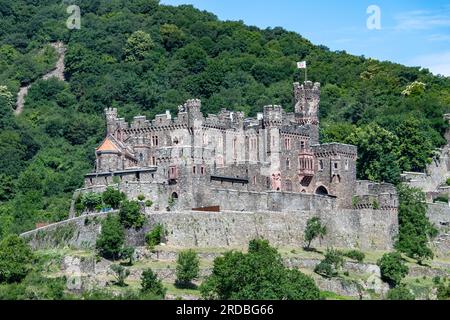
(111, 144)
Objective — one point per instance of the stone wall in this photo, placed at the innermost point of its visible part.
(364, 229)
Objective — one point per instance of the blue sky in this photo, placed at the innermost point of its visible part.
(414, 33)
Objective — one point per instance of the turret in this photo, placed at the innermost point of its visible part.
(111, 120)
(307, 100)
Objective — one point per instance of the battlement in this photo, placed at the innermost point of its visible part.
(193, 103)
(335, 149)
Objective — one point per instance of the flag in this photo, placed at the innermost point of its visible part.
(301, 65)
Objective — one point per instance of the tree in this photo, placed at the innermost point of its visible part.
(400, 293)
(6, 107)
(15, 259)
(128, 254)
(314, 229)
(415, 228)
(257, 275)
(393, 268)
(111, 239)
(130, 215)
(151, 284)
(138, 46)
(188, 268)
(91, 200)
(121, 273)
(113, 197)
(331, 265)
(154, 237)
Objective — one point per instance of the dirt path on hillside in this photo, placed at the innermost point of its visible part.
(57, 72)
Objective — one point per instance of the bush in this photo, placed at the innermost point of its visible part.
(113, 197)
(130, 215)
(400, 293)
(443, 292)
(330, 266)
(154, 237)
(355, 255)
(325, 269)
(15, 259)
(151, 284)
(128, 254)
(111, 239)
(121, 273)
(188, 267)
(257, 275)
(393, 268)
(91, 201)
(141, 197)
(448, 182)
(149, 203)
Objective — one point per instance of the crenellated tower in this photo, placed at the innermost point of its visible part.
(307, 100)
(111, 120)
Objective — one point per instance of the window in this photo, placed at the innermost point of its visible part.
(288, 164)
(336, 166)
(153, 161)
(287, 143)
(155, 141)
(321, 165)
(347, 165)
(235, 148)
(202, 171)
(302, 145)
(141, 157)
(194, 170)
(254, 180)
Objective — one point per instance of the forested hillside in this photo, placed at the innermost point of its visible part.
(144, 58)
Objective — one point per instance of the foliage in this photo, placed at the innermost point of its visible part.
(15, 259)
(141, 197)
(257, 275)
(138, 46)
(415, 229)
(443, 291)
(113, 197)
(151, 284)
(130, 215)
(188, 268)
(314, 229)
(155, 237)
(91, 200)
(120, 273)
(400, 293)
(111, 239)
(127, 253)
(355, 255)
(331, 265)
(149, 203)
(393, 268)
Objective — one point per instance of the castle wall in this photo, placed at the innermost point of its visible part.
(362, 229)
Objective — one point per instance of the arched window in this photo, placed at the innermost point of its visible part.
(175, 196)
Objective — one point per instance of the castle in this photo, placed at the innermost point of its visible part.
(273, 162)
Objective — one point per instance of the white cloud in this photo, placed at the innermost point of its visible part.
(439, 37)
(423, 20)
(438, 63)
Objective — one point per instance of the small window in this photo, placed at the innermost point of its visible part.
(202, 171)
(336, 165)
(302, 145)
(288, 164)
(347, 165)
(141, 157)
(254, 180)
(321, 165)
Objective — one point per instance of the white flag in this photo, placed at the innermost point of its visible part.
(301, 65)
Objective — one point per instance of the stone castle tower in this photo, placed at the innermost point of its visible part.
(307, 100)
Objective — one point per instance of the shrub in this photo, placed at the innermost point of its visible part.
(448, 182)
(393, 268)
(149, 203)
(314, 229)
(257, 275)
(141, 197)
(151, 284)
(15, 259)
(154, 237)
(188, 267)
(355, 255)
(330, 266)
(91, 201)
(443, 292)
(111, 239)
(325, 269)
(113, 197)
(121, 273)
(400, 293)
(128, 254)
(130, 215)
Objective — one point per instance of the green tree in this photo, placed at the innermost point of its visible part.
(155, 236)
(151, 284)
(138, 46)
(188, 268)
(91, 200)
(15, 259)
(130, 215)
(111, 239)
(257, 275)
(113, 197)
(400, 293)
(415, 229)
(393, 268)
(314, 229)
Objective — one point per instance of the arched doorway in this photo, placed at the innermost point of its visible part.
(174, 196)
(322, 191)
